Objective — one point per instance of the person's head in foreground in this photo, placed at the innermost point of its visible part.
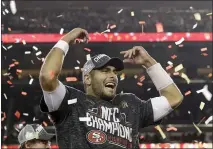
(34, 136)
(100, 76)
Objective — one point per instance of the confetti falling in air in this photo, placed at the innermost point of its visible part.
(194, 26)
(35, 48)
(142, 78)
(13, 7)
(6, 11)
(120, 11)
(27, 52)
(31, 81)
(44, 123)
(208, 120)
(112, 26)
(59, 16)
(198, 129)
(17, 114)
(184, 76)
(171, 128)
(174, 56)
(22, 18)
(208, 14)
(202, 104)
(24, 93)
(71, 79)
(106, 31)
(61, 31)
(38, 53)
(25, 114)
(197, 16)
(206, 93)
(78, 61)
(160, 131)
(179, 41)
(170, 63)
(5, 96)
(77, 68)
(139, 83)
(203, 49)
(87, 49)
(132, 13)
(187, 93)
(19, 71)
(4, 48)
(178, 68)
(9, 47)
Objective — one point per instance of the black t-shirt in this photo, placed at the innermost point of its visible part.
(113, 124)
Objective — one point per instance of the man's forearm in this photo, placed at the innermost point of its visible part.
(171, 91)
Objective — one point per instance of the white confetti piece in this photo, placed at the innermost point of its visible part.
(78, 61)
(112, 26)
(27, 52)
(198, 129)
(6, 11)
(77, 67)
(184, 76)
(5, 96)
(132, 13)
(31, 81)
(72, 101)
(59, 16)
(32, 62)
(25, 114)
(3, 4)
(170, 63)
(208, 14)
(38, 53)
(108, 30)
(5, 127)
(120, 11)
(148, 89)
(3, 13)
(202, 104)
(13, 7)
(178, 68)
(24, 42)
(9, 47)
(208, 120)
(22, 18)
(83, 119)
(161, 131)
(88, 57)
(34, 119)
(35, 48)
(42, 59)
(206, 93)
(203, 49)
(61, 31)
(194, 26)
(189, 112)
(4, 48)
(179, 41)
(197, 16)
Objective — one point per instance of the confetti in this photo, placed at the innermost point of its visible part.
(170, 63)
(141, 22)
(3, 13)
(9, 82)
(5, 96)
(82, 119)
(160, 131)
(108, 30)
(159, 27)
(169, 46)
(197, 16)
(44, 123)
(178, 68)
(18, 70)
(61, 31)
(32, 62)
(171, 128)
(149, 89)
(132, 13)
(179, 41)
(6, 11)
(208, 120)
(194, 26)
(201, 120)
(169, 67)
(4, 48)
(72, 101)
(187, 93)
(22, 18)
(87, 49)
(24, 93)
(204, 54)
(120, 11)
(9, 47)
(184, 76)
(206, 93)
(198, 129)
(122, 76)
(16, 63)
(142, 78)
(25, 114)
(38, 53)
(31, 81)
(72, 79)
(27, 52)
(174, 56)
(202, 104)
(139, 83)
(112, 26)
(78, 61)
(11, 65)
(17, 114)
(77, 67)
(13, 7)
(208, 14)
(35, 48)
(59, 16)
(203, 49)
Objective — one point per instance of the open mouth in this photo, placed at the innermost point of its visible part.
(110, 85)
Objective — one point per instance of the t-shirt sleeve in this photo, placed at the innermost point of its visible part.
(146, 114)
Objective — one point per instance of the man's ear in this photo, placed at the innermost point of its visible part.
(87, 79)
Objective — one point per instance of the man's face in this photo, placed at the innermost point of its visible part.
(104, 82)
(38, 144)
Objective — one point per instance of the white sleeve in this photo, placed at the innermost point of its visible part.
(161, 107)
(54, 99)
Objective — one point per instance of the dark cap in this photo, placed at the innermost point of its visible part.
(101, 60)
(34, 131)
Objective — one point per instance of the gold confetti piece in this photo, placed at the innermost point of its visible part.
(184, 76)
(203, 49)
(27, 52)
(24, 93)
(38, 53)
(13, 7)
(71, 79)
(61, 31)
(208, 120)
(132, 13)
(35, 48)
(171, 128)
(139, 83)
(208, 14)
(174, 56)
(17, 114)
(31, 81)
(197, 16)
(179, 41)
(178, 68)
(160, 131)
(120, 11)
(112, 26)
(44, 123)
(18, 70)
(194, 26)
(198, 129)
(187, 93)
(202, 104)
(87, 49)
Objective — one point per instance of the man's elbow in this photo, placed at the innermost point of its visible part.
(177, 100)
(47, 82)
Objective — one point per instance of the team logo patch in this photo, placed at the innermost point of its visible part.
(96, 137)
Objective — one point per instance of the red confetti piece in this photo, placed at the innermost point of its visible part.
(139, 83)
(169, 67)
(72, 79)
(142, 78)
(171, 128)
(112, 26)
(11, 65)
(44, 123)
(17, 114)
(169, 46)
(174, 56)
(204, 54)
(87, 49)
(9, 82)
(203, 49)
(187, 93)
(24, 93)
(16, 63)
(176, 73)
(4, 116)
(9, 29)
(19, 70)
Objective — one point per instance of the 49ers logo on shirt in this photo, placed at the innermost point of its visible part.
(96, 137)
